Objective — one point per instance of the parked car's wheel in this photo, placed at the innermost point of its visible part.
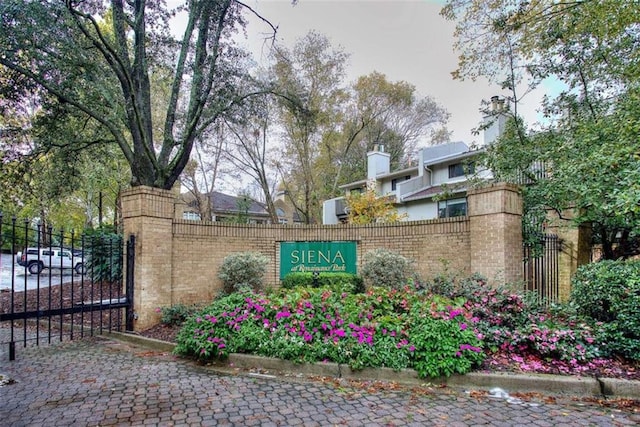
(35, 267)
(79, 268)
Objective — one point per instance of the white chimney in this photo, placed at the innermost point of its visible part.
(495, 120)
(377, 163)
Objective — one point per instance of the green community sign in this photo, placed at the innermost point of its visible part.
(321, 257)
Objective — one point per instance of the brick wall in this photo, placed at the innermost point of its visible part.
(177, 260)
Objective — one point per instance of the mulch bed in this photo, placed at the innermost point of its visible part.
(65, 296)
(609, 368)
(162, 332)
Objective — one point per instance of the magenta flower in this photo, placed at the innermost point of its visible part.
(454, 313)
(470, 347)
(282, 314)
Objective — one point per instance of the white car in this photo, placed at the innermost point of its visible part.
(36, 260)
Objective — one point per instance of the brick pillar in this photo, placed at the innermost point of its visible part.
(576, 248)
(148, 214)
(495, 217)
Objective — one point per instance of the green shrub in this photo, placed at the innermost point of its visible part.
(453, 285)
(243, 270)
(298, 280)
(609, 292)
(177, 314)
(597, 287)
(103, 255)
(385, 268)
(339, 282)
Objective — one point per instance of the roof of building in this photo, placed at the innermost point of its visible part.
(444, 150)
(226, 204)
(428, 192)
(448, 152)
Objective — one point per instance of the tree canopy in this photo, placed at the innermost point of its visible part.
(329, 125)
(110, 79)
(104, 62)
(584, 156)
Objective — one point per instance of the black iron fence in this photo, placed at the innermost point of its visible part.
(58, 286)
(541, 267)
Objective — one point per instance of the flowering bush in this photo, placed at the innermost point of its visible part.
(405, 328)
(518, 323)
(380, 328)
(548, 340)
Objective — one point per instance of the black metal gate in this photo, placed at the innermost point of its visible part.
(59, 286)
(541, 267)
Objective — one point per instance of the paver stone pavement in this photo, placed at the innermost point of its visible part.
(102, 382)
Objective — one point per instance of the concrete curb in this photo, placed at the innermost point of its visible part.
(539, 383)
(133, 338)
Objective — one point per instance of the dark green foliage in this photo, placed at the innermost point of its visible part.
(177, 314)
(103, 255)
(609, 292)
(339, 282)
(16, 239)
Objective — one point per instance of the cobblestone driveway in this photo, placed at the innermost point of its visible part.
(101, 382)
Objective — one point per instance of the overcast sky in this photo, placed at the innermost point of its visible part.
(403, 39)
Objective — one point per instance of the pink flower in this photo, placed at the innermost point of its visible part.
(463, 326)
(282, 314)
(454, 313)
(470, 347)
